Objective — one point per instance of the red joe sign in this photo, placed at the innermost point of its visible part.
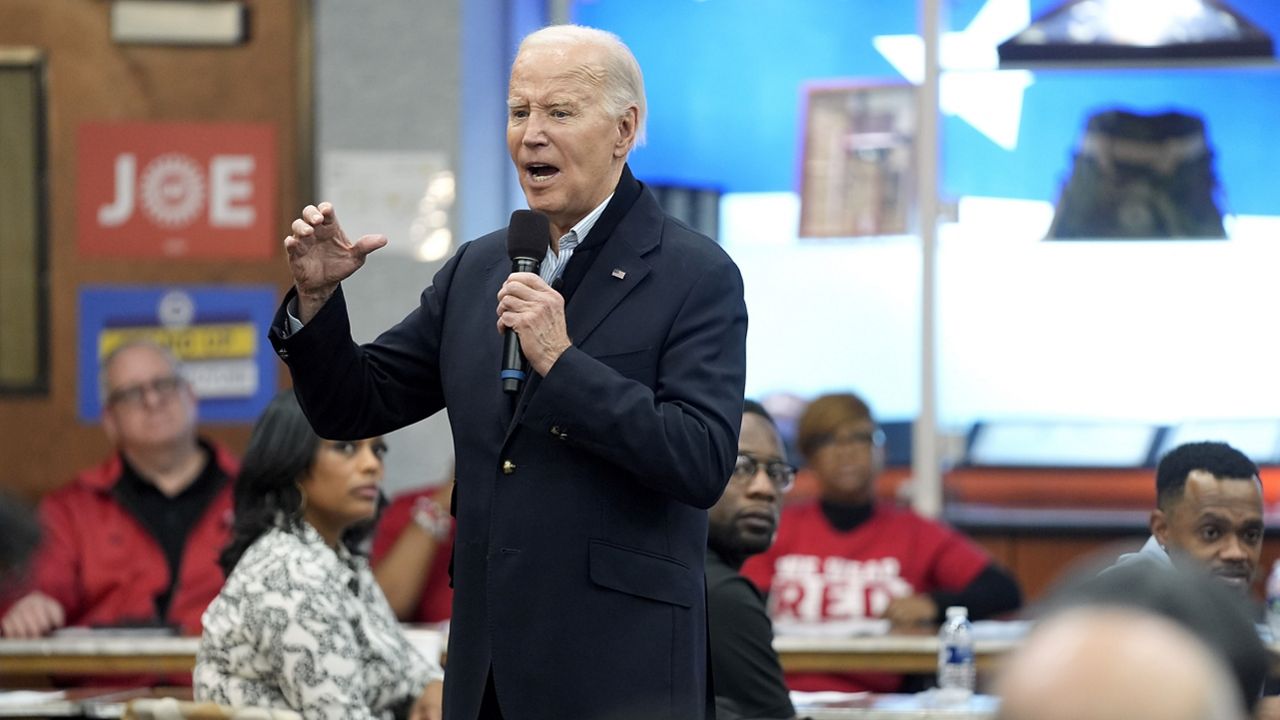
(176, 190)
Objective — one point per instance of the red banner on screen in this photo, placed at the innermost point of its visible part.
(176, 190)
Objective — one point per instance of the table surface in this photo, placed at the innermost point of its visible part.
(921, 706)
(101, 653)
(111, 702)
(901, 652)
(105, 653)
(79, 702)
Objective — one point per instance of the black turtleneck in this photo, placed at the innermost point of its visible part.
(845, 517)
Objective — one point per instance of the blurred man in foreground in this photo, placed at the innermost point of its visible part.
(1214, 612)
(1114, 663)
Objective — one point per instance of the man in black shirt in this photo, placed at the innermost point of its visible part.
(745, 669)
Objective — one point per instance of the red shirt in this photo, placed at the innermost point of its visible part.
(436, 602)
(823, 581)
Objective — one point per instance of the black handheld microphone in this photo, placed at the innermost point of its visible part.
(528, 235)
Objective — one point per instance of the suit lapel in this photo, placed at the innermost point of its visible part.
(614, 273)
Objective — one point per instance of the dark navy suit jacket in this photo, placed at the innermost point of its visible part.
(581, 507)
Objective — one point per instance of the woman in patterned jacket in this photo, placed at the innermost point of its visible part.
(300, 622)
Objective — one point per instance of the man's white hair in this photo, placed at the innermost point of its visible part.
(132, 344)
(623, 84)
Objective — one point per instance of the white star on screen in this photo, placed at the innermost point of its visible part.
(987, 98)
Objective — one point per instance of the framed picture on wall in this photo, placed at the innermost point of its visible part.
(858, 167)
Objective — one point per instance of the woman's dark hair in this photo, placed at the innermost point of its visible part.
(281, 450)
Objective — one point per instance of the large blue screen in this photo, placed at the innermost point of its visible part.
(726, 83)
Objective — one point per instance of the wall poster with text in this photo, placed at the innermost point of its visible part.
(218, 334)
(176, 190)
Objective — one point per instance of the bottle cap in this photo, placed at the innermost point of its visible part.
(957, 611)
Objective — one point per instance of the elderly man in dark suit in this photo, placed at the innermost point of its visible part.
(581, 502)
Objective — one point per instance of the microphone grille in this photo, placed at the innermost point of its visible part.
(528, 235)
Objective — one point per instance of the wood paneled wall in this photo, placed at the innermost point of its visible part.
(91, 78)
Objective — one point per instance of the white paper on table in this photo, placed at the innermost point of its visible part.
(1000, 629)
(853, 627)
(428, 642)
(30, 697)
(823, 698)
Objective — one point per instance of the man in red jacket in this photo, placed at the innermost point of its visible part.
(136, 539)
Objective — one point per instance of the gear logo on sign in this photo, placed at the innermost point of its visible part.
(172, 190)
(176, 309)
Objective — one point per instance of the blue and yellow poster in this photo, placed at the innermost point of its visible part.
(217, 332)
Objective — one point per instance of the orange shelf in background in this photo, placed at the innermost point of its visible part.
(1129, 488)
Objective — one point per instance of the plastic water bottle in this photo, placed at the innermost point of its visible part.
(1273, 601)
(956, 669)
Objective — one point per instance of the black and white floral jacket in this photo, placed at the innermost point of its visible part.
(300, 626)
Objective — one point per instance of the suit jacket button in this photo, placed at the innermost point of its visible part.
(555, 430)
(508, 467)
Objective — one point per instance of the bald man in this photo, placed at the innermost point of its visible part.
(1113, 663)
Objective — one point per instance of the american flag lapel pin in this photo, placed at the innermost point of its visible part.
(619, 273)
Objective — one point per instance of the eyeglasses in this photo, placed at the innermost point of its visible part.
(865, 438)
(134, 395)
(781, 474)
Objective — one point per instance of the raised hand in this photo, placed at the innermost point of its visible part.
(321, 256)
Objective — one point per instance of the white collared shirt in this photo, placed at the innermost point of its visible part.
(553, 264)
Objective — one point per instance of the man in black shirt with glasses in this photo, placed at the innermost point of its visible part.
(745, 669)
